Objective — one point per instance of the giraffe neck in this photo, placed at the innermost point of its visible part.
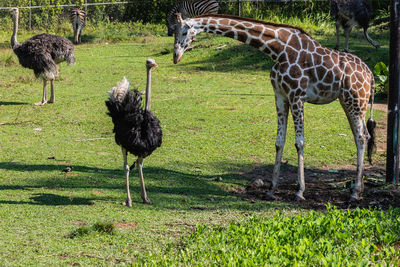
(267, 37)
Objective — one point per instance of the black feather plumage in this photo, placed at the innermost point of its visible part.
(43, 52)
(136, 130)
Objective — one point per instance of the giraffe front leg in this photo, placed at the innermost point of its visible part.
(282, 108)
(298, 120)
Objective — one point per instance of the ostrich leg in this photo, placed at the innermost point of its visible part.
(44, 99)
(139, 163)
(337, 47)
(128, 201)
(347, 32)
(52, 97)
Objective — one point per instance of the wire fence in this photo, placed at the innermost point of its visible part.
(41, 13)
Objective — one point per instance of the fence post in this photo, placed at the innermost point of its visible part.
(392, 156)
(30, 15)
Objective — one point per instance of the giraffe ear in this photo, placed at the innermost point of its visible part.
(178, 17)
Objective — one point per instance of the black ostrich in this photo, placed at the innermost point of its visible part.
(137, 130)
(347, 13)
(42, 53)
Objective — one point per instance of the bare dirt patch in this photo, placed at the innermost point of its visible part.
(329, 185)
(126, 225)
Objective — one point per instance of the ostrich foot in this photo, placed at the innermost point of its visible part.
(41, 103)
(147, 201)
(348, 50)
(128, 203)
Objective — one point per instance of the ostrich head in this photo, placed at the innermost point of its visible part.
(14, 11)
(151, 63)
(185, 31)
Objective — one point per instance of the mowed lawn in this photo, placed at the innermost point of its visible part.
(219, 122)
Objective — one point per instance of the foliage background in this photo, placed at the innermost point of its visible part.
(155, 11)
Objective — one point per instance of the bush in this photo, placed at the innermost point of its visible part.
(337, 237)
(382, 79)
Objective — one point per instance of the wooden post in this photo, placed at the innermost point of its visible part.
(392, 159)
(30, 15)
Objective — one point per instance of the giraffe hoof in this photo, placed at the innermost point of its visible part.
(300, 198)
(270, 197)
(354, 199)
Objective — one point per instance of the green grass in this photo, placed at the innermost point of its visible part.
(219, 120)
(351, 238)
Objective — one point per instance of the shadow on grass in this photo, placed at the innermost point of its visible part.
(168, 189)
(2, 103)
(234, 58)
(183, 190)
(52, 200)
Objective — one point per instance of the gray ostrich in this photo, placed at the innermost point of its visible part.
(42, 53)
(347, 13)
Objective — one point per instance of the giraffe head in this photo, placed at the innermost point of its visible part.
(184, 34)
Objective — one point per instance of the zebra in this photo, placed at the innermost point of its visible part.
(190, 9)
(78, 20)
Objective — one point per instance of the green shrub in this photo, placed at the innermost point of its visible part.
(382, 79)
(337, 237)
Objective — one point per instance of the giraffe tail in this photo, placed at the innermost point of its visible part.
(371, 124)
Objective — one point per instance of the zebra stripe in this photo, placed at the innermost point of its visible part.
(78, 20)
(190, 9)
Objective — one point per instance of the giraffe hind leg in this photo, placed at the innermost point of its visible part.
(360, 133)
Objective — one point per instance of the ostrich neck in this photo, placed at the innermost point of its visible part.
(148, 90)
(267, 37)
(14, 42)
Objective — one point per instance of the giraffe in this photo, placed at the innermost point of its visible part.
(303, 71)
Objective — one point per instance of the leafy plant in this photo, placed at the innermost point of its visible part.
(100, 227)
(336, 237)
(382, 82)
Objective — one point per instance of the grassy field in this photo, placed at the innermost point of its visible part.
(219, 123)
